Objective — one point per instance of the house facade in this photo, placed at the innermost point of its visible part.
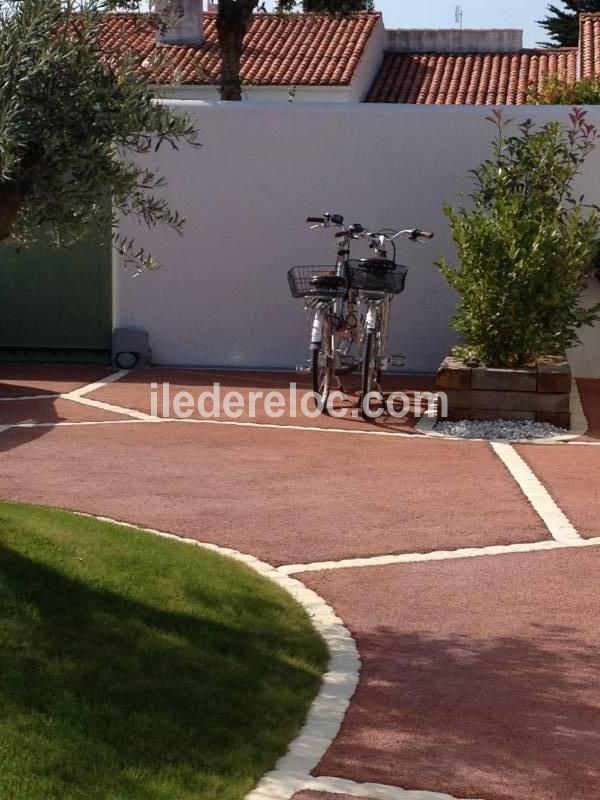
(330, 59)
(297, 57)
(478, 67)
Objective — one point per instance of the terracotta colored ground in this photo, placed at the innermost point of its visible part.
(480, 676)
(575, 485)
(134, 391)
(51, 410)
(24, 379)
(590, 397)
(284, 496)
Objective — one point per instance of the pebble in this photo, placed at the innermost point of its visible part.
(499, 429)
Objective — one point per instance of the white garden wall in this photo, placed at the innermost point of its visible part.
(222, 299)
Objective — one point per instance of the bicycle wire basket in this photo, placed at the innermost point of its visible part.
(305, 281)
(367, 277)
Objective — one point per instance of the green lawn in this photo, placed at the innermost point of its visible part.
(137, 668)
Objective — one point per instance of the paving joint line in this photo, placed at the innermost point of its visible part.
(47, 396)
(73, 424)
(140, 416)
(81, 396)
(423, 429)
(553, 517)
(93, 387)
(438, 555)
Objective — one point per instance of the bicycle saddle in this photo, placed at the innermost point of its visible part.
(327, 281)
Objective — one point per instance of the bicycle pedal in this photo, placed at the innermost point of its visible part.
(397, 361)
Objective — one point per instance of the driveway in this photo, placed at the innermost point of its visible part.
(466, 572)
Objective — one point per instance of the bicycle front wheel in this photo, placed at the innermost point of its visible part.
(368, 365)
(371, 374)
(323, 366)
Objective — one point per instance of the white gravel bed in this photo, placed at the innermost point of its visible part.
(499, 429)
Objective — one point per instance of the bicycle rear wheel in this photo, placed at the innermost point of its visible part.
(323, 366)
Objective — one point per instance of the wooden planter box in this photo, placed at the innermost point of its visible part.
(541, 393)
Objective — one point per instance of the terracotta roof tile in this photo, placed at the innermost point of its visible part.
(589, 44)
(290, 50)
(470, 78)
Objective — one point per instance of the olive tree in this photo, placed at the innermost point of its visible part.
(73, 114)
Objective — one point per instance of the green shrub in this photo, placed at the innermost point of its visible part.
(556, 91)
(523, 245)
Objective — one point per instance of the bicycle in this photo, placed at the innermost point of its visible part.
(377, 280)
(325, 292)
(351, 305)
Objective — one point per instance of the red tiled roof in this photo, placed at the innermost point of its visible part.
(465, 78)
(295, 49)
(589, 44)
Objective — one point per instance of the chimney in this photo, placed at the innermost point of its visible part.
(182, 22)
(453, 40)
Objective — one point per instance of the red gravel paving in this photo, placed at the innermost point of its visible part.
(134, 391)
(284, 496)
(480, 677)
(17, 380)
(573, 480)
(589, 391)
(52, 410)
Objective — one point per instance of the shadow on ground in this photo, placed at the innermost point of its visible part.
(498, 718)
(103, 696)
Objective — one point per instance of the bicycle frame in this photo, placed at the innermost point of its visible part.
(321, 313)
(340, 270)
(334, 309)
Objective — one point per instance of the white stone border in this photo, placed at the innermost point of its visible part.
(372, 791)
(339, 683)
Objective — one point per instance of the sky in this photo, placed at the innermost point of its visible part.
(476, 14)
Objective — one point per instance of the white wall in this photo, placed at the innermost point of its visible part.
(370, 62)
(453, 40)
(264, 94)
(222, 296)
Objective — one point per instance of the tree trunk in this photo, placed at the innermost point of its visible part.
(11, 200)
(231, 56)
(233, 20)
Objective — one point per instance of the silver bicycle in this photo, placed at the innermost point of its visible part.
(377, 281)
(349, 305)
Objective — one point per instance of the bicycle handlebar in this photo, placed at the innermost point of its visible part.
(419, 234)
(327, 220)
(357, 231)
